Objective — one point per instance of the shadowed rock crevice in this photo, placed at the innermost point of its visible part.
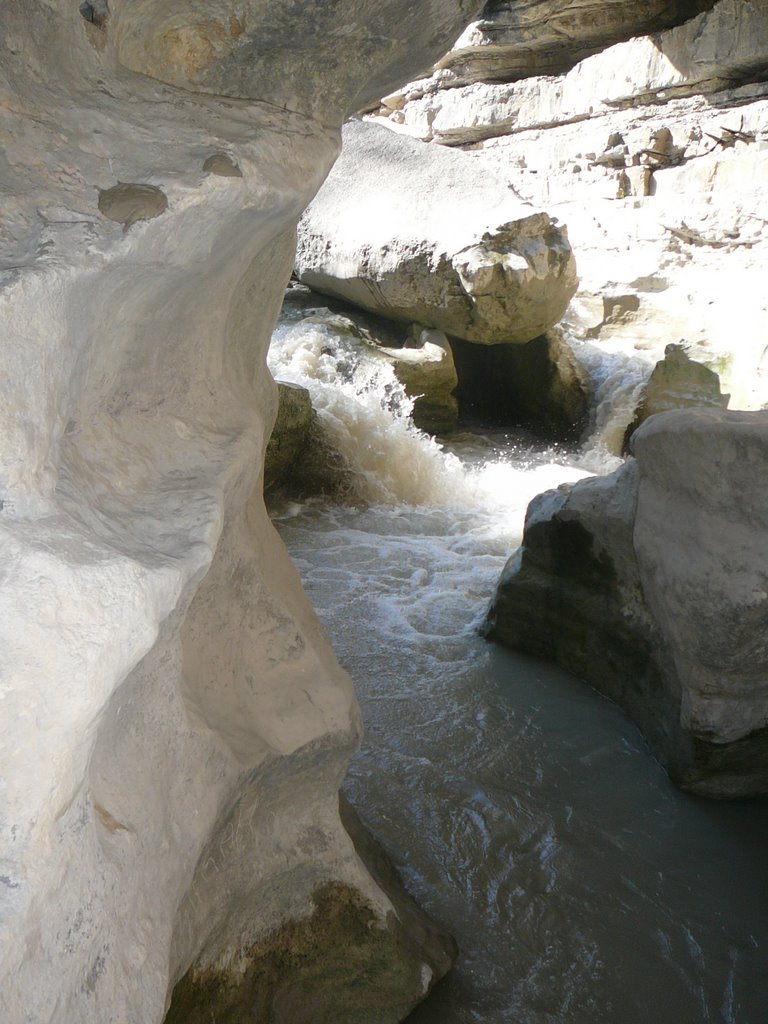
(539, 386)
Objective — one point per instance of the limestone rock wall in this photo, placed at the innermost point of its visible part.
(653, 154)
(174, 723)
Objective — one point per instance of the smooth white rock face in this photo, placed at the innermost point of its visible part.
(519, 38)
(160, 660)
(414, 233)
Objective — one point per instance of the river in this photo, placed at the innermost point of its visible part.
(523, 810)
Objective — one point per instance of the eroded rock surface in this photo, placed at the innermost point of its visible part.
(623, 581)
(175, 725)
(519, 38)
(654, 153)
(414, 233)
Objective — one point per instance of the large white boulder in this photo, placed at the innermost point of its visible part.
(420, 234)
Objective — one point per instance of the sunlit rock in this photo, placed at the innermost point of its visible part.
(651, 585)
(519, 38)
(175, 726)
(677, 382)
(721, 49)
(415, 233)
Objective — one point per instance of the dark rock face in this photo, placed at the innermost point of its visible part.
(290, 434)
(650, 584)
(514, 39)
(539, 385)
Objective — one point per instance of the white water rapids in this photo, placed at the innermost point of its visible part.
(524, 811)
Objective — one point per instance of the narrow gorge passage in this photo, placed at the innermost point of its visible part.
(524, 810)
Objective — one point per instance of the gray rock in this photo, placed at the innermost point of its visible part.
(425, 367)
(515, 39)
(175, 725)
(677, 382)
(419, 234)
(272, 53)
(290, 433)
(622, 580)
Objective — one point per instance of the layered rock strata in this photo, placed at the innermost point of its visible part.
(521, 38)
(415, 234)
(652, 584)
(175, 725)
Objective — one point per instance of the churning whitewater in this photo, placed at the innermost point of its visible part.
(524, 809)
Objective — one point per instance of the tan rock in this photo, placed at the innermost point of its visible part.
(677, 382)
(414, 233)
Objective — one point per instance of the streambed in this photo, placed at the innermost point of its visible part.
(524, 810)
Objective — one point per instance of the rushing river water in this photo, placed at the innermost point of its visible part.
(524, 810)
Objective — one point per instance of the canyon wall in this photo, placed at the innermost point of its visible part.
(175, 726)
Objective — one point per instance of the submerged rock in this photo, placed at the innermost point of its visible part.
(415, 233)
(621, 580)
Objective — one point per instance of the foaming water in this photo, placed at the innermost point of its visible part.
(365, 413)
(524, 811)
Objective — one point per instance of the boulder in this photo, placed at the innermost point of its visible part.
(358, 347)
(425, 367)
(539, 385)
(415, 233)
(652, 584)
(677, 382)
